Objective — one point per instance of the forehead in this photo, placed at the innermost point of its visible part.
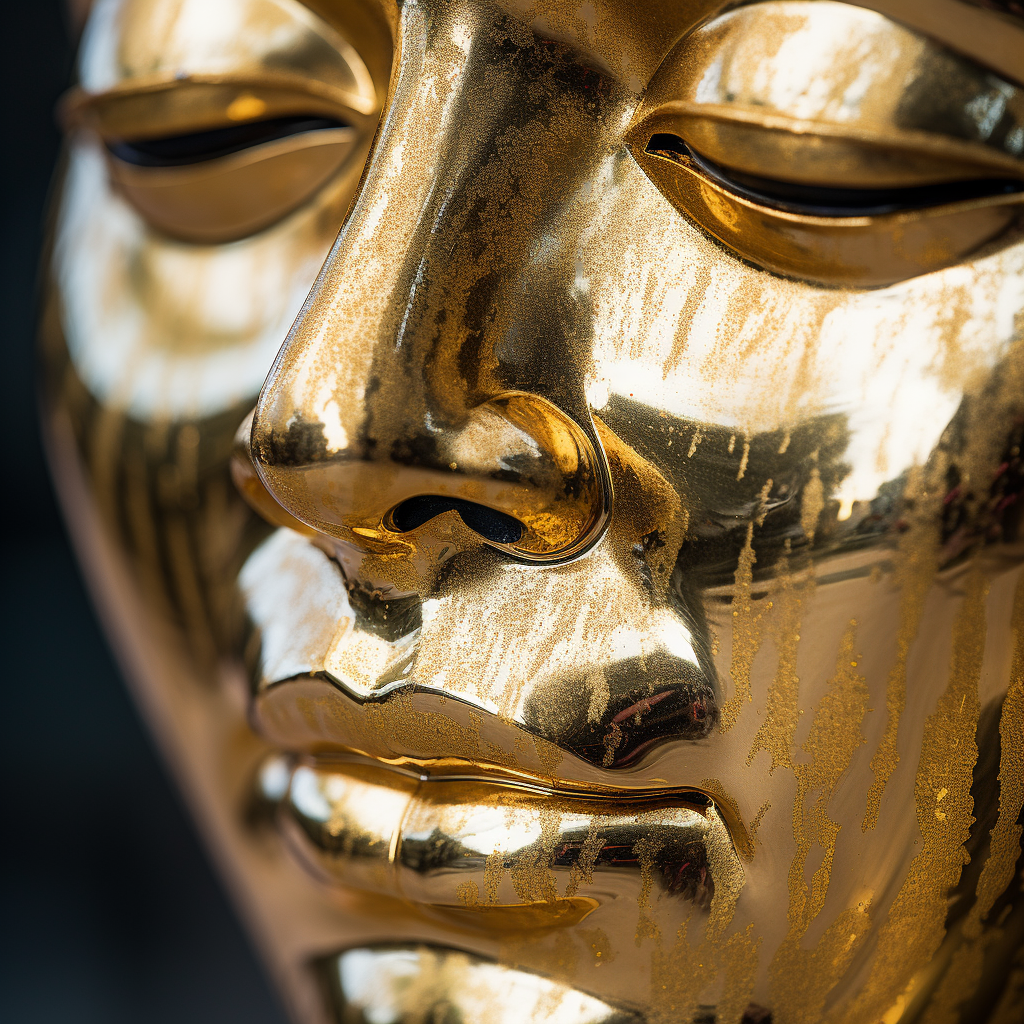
(627, 38)
(634, 35)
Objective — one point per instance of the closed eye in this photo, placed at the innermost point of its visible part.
(824, 201)
(197, 147)
(218, 125)
(752, 130)
(226, 183)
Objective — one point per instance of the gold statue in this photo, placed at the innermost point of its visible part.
(624, 620)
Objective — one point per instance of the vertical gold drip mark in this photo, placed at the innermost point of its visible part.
(964, 973)
(744, 458)
(800, 979)
(915, 926)
(674, 993)
(698, 436)
(781, 708)
(746, 633)
(729, 878)
(758, 818)
(582, 872)
(532, 877)
(914, 577)
(834, 738)
(467, 894)
(494, 870)
(645, 850)
(811, 503)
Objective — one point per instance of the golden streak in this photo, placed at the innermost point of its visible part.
(914, 575)
(915, 923)
(802, 978)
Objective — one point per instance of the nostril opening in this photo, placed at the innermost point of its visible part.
(497, 527)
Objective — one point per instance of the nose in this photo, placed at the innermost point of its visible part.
(438, 364)
(517, 470)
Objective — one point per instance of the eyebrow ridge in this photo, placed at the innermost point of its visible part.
(994, 39)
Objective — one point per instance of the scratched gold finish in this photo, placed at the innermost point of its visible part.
(553, 474)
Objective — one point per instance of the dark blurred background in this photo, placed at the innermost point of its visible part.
(109, 910)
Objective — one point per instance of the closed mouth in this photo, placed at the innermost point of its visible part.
(494, 851)
(500, 804)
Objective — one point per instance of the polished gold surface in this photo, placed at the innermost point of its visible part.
(505, 855)
(888, 109)
(236, 195)
(181, 66)
(407, 984)
(515, 453)
(887, 106)
(608, 604)
(851, 250)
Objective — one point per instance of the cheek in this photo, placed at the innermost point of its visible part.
(682, 325)
(163, 328)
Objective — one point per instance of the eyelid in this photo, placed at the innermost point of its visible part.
(845, 125)
(136, 47)
(135, 110)
(799, 90)
(233, 196)
(814, 151)
(870, 250)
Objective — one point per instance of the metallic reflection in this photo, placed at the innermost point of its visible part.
(434, 985)
(762, 534)
(501, 854)
(889, 108)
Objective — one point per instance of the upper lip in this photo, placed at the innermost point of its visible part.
(602, 710)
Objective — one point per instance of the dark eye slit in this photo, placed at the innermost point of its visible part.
(817, 201)
(179, 150)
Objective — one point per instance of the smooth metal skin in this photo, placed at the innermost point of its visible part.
(624, 620)
(417, 983)
(488, 849)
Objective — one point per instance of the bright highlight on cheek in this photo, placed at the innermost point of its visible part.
(161, 327)
(705, 339)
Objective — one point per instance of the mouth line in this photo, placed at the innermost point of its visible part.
(677, 708)
(455, 769)
(578, 795)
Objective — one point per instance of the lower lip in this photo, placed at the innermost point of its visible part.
(492, 852)
(416, 982)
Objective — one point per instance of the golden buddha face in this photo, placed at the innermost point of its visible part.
(624, 618)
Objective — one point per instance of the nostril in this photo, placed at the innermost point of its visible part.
(497, 527)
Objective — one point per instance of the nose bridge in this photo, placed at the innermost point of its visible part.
(410, 371)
